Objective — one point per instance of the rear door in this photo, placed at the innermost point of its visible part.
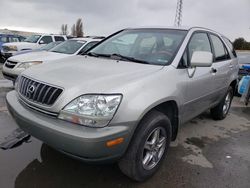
(199, 79)
(221, 67)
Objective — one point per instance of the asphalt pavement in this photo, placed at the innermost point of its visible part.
(207, 153)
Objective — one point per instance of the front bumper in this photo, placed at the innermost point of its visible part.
(8, 76)
(87, 144)
(11, 73)
(7, 54)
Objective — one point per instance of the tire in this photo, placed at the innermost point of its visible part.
(220, 111)
(132, 162)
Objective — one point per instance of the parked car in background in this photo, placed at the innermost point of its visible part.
(244, 59)
(125, 100)
(6, 38)
(18, 63)
(47, 47)
(30, 43)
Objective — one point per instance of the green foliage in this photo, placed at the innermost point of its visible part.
(241, 44)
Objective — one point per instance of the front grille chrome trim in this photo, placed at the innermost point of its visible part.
(53, 114)
(38, 92)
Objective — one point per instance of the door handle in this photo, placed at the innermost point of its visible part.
(231, 66)
(213, 70)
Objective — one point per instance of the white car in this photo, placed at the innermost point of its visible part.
(30, 43)
(17, 64)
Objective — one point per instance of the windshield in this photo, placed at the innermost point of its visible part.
(244, 57)
(151, 46)
(50, 45)
(69, 46)
(32, 38)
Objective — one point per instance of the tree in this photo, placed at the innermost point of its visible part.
(64, 29)
(239, 43)
(73, 30)
(79, 28)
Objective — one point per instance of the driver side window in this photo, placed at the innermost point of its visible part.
(198, 42)
(46, 39)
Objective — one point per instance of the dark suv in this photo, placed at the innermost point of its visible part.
(5, 38)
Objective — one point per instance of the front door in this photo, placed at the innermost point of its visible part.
(200, 79)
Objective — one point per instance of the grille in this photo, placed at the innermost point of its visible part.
(10, 64)
(38, 92)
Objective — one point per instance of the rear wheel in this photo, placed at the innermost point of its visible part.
(148, 147)
(221, 110)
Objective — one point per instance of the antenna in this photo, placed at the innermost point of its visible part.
(178, 14)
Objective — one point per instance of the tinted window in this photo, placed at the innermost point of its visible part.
(46, 39)
(68, 47)
(88, 46)
(58, 38)
(3, 39)
(50, 45)
(230, 45)
(153, 46)
(13, 39)
(21, 38)
(198, 42)
(32, 38)
(220, 51)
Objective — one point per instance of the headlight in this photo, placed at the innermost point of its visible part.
(26, 65)
(91, 110)
(12, 48)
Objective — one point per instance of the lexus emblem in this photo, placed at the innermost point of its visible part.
(31, 89)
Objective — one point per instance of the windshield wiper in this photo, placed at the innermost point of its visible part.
(117, 57)
(95, 54)
(121, 57)
(90, 54)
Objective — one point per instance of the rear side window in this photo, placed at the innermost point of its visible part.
(198, 42)
(58, 38)
(46, 39)
(13, 39)
(220, 51)
(3, 39)
(230, 45)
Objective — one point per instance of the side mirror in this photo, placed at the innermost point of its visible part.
(41, 42)
(201, 59)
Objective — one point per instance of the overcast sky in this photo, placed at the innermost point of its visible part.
(103, 17)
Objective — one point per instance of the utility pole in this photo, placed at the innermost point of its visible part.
(178, 14)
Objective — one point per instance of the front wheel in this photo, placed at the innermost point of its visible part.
(148, 147)
(220, 111)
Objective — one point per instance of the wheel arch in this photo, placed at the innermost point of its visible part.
(234, 84)
(171, 110)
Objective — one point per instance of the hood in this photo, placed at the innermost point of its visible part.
(23, 45)
(84, 74)
(37, 56)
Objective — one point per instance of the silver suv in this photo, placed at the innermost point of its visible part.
(126, 98)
